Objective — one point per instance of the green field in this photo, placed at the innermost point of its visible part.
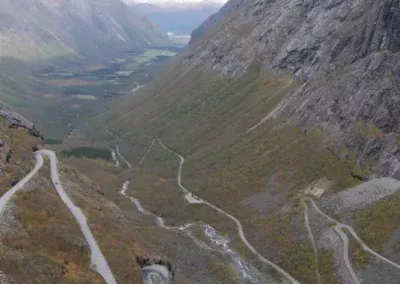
(65, 96)
(88, 152)
(85, 97)
(50, 141)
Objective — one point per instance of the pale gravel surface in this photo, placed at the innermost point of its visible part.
(330, 241)
(3, 278)
(346, 258)
(8, 224)
(379, 272)
(360, 196)
(327, 239)
(394, 240)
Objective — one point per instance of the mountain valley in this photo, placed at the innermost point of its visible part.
(266, 151)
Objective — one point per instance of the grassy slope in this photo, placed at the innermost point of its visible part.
(202, 116)
(18, 150)
(136, 233)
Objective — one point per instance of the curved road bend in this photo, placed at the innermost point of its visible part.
(7, 196)
(238, 224)
(346, 259)
(339, 229)
(98, 260)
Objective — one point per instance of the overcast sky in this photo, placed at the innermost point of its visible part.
(174, 1)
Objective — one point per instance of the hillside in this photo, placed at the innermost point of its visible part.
(33, 30)
(177, 17)
(275, 101)
(47, 47)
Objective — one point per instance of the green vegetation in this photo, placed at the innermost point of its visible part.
(225, 273)
(88, 152)
(48, 93)
(299, 259)
(377, 222)
(327, 268)
(19, 156)
(85, 97)
(358, 257)
(368, 131)
(252, 175)
(132, 63)
(51, 141)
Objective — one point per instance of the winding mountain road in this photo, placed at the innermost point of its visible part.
(190, 195)
(9, 194)
(98, 261)
(339, 228)
(312, 240)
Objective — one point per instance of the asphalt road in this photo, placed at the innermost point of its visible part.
(98, 261)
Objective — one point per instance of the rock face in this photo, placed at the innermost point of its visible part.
(34, 30)
(345, 52)
(214, 19)
(16, 120)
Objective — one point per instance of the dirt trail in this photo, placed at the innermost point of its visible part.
(238, 224)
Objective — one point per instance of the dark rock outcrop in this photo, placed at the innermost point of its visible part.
(16, 120)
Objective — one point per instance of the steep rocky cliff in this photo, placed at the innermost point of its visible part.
(18, 121)
(215, 19)
(33, 30)
(346, 54)
(274, 100)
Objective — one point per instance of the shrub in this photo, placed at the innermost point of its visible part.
(88, 152)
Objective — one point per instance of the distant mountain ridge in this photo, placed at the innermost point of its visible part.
(53, 28)
(174, 2)
(180, 17)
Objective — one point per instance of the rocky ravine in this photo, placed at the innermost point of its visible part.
(345, 52)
